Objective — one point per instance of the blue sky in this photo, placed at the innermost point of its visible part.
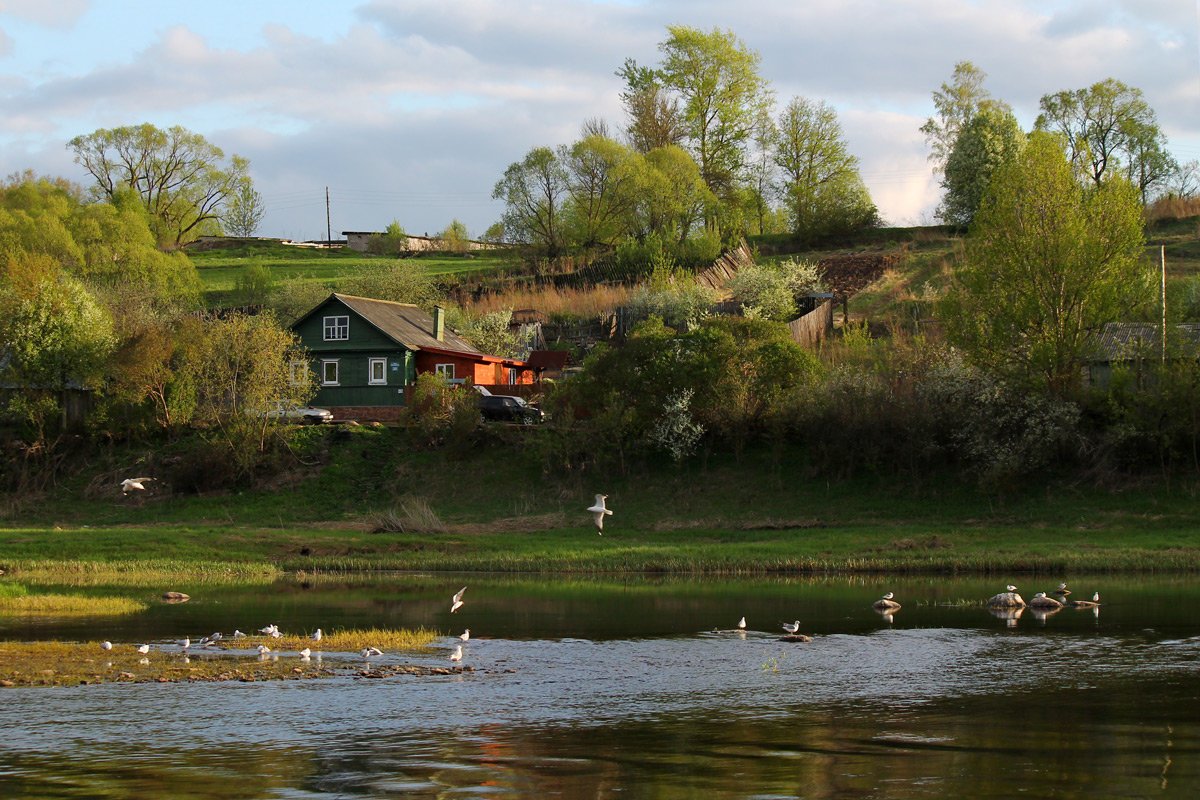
(411, 110)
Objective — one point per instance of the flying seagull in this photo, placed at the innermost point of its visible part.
(599, 511)
(457, 654)
(134, 485)
(457, 601)
(465, 635)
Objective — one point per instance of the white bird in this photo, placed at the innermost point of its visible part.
(367, 652)
(465, 635)
(316, 637)
(143, 648)
(457, 601)
(599, 511)
(263, 649)
(270, 629)
(889, 596)
(106, 645)
(134, 485)
(742, 624)
(1011, 588)
(1039, 594)
(305, 653)
(275, 634)
(791, 627)
(211, 641)
(1062, 590)
(1096, 597)
(186, 643)
(238, 634)
(457, 654)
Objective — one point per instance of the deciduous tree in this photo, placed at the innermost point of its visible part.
(992, 138)
(957, 102)
(182, 179)
(1048, 262)
(534, 191)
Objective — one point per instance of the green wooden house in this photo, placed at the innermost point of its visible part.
(366, 355)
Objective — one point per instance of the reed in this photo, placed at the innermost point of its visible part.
(554, 301)
(64, 605)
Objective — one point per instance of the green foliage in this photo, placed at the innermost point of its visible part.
(255, 283)
(533, 191)
(244, 212)
(454, 238)
(401, 281)
(822, 189)
(672, 296)
(392, 242)
(1109, 127)
(1048, 263)
(957, 103)
(181, 179)
(770, 290)
(490, 332)
(442, 413)
(989, 140)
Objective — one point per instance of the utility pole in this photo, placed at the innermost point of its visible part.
(328, 227)
(1163, 256)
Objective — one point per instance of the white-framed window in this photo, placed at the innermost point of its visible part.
(445, 370)
(513, 374)
(337, 329)
(298, 372)
(329, 372)
(377, 371)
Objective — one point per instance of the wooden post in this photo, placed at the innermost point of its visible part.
(1163, 256)
(328, 227)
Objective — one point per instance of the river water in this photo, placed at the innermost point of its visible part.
(618, 687)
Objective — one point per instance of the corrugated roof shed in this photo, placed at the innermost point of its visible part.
(1125, 341)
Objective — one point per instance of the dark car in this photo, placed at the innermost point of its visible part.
(507, 408)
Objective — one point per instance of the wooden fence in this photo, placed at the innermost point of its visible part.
(812, 328)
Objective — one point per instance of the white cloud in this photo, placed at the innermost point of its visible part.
(56, 14)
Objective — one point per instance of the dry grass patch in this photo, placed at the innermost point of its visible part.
(64, 605)
(551, 300)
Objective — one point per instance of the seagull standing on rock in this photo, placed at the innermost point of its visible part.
(457, 654)
(791, 628)
(599, 511)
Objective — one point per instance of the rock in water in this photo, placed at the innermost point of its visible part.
(1006, 600)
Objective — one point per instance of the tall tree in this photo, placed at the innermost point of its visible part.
(992, 138)
(1109, 125)
(601, 181)
(183, 180)
(822, 187)
(956, 103)
(534, 190)
(655, 119)
(1048, 262)
(717, 79)
(244, 211)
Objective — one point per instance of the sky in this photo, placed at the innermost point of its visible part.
(411, 110)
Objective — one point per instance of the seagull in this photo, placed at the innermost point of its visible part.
(238, 634)
(1039, 594)
(791, 627)
(305, 653)
(889, 596)
(1096, 597)
(457, 601)
(275, 634)
(143, 648)
(269, 630)
(599, 511)
(1011, 588)
(186, 643)
(134, 485)
(316, 637)
(367, 652)
(106, 645)
(742, 624)
(1062, 590)
(263, 649)
(457, 654)
(465, 635)
(211, 641)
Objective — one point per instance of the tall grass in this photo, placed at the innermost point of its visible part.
(554, 301)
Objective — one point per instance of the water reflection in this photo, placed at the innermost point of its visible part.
(589, 688)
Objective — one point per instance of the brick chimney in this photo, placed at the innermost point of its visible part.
(439, 323)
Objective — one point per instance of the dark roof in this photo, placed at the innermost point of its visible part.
(1125, 341)
(404, 323)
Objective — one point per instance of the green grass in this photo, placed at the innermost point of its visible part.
(219, 268)
(764, 513)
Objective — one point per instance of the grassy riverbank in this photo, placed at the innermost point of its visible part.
(494, 509)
